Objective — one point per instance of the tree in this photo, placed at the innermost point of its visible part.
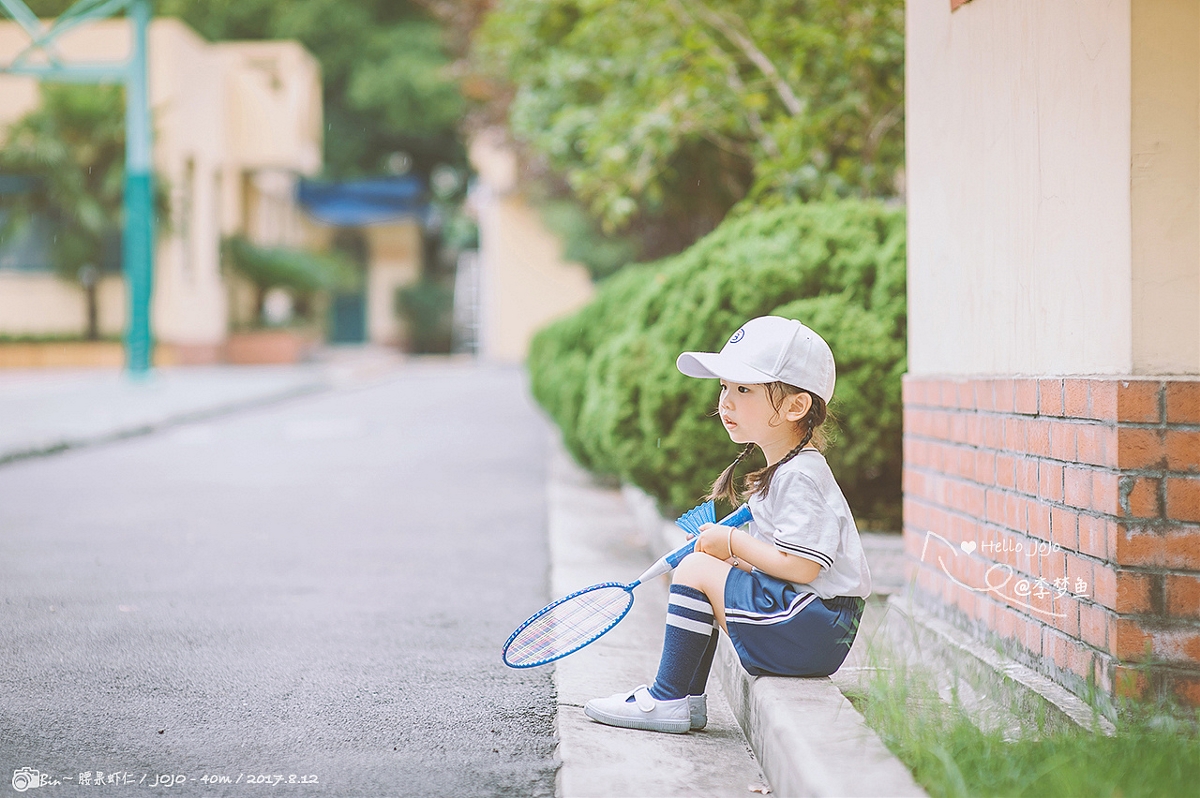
(388, 86)
(73, 144)
(683, 107)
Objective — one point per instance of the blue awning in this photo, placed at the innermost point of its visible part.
(361, 202)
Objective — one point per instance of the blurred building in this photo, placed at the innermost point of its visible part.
(236, 125)
(379, 223)
(522, 280)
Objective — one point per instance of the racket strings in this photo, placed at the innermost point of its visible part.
(569, 625)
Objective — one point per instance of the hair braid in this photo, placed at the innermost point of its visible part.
(723, 487)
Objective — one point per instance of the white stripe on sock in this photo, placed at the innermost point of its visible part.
(687, 624)
(690, 603)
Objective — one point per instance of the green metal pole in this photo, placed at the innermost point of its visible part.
(138, 242)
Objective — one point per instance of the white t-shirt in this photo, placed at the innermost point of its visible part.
(806, 514)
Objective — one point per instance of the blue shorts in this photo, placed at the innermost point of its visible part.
(779, 631)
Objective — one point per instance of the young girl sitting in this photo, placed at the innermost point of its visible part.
(790, 591)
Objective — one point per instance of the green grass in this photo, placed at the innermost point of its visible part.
(1152, 754)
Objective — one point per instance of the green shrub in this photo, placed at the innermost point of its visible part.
(427, 306)
(607, 374)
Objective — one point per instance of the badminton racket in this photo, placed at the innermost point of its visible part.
(572, 622)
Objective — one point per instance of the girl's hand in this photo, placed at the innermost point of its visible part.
(714, 541)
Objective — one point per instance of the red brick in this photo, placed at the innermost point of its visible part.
(1027, 475)
(1185, 687)
(1183, 402)
(984, 396)
(1129, 641)
(1181, 548)
(1104, 492)
(964, 396)
(1052, 565)
(1077, 487)
(1054, 646)
(1139, 497)
(1103, 398)
(1031, 636)
(1130, 683)
(1094, 533)
(939, 425)
(1050, 397)
(1126, 592)
(1080, 660)
(1015, 435)
(1039, 520)
(1093, 625)
(1062, 441)
(1139, 448)
(908, 391)
(974, 430)
(985, 466)
(1080, 576)
(993, 432)
(1075, 398)
(1064, 528)
(1096, 444)
(1025, 397)
(1006, 622)
(958, 427)
(1050, 481)
(1183, 595)
(1183, 450)
(1183, 498)
(1003, 393)
(1066, 614)
(1006, 471)
(1138, 401)
(1037, 437)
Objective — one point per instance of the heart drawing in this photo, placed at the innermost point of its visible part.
(968, 546)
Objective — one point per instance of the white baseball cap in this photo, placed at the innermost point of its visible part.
(768, 349)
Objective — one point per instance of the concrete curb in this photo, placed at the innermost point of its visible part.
(809, 739)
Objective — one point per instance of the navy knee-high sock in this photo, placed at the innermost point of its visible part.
(689, 628)
(700, 679)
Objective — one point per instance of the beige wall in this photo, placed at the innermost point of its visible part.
(524, 281)
(37, 303)
(1165, 186)
(395, 253)
(1018, 140)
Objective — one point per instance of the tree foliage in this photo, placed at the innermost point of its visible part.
(387, 82)
(607, 374)
(73, 144)
(684, 106)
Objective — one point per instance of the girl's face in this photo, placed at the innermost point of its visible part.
(749, 417)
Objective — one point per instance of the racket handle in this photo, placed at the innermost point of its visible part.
(670, 560)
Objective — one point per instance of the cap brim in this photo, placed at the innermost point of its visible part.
(714, 365)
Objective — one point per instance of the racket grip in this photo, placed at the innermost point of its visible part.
(670, 560)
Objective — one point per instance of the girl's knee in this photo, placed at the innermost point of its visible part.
(704, 573)
(692, 569)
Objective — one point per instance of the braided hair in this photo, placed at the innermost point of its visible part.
(759, 482)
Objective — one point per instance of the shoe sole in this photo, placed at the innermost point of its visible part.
(659, 725)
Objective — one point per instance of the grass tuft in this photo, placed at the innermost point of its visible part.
(1151, 754)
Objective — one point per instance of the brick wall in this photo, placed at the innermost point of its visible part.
(1062, 516)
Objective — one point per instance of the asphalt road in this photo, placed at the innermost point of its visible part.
(316, 591)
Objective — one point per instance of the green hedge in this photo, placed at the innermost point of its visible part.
(607, 374)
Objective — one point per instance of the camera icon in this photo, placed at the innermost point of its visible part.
(24, 778)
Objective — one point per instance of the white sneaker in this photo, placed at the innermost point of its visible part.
(643, 712)
(698, 709)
